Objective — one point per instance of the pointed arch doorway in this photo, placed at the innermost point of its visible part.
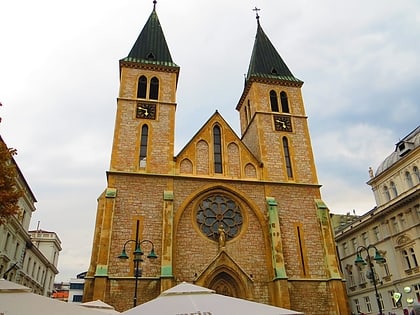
(225, 284)
(226, 277)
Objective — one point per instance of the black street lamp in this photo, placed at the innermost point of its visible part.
(138, 253)
(361, 263)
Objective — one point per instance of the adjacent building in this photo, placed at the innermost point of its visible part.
(393, 228)
(242, 215)
(28, 257)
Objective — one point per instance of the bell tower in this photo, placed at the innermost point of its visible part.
(272, 116)
(146, 105)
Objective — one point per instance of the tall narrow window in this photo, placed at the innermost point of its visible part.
(387, 194)
(416, 171)
(394, 189)
(217, 150)
(143, 145)
(368, 304)
(408, 179)
(287, 158)
(154, 88)
(142, 87)
(413, 257)
(284, 102)
(357, 305)
(246, 115)
(301, 248)
(273, 101)
(406, 259)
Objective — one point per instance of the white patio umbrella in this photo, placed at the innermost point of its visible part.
(187, 298)
(100, 306)
(16, 299)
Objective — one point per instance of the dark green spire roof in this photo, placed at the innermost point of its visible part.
(151, 47)
(266, 61)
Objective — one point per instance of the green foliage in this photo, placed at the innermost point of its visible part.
(9, 190)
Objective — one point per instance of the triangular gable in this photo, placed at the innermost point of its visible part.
(197, 157)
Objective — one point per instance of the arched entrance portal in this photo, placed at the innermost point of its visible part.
(224, 284)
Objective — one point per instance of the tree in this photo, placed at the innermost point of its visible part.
(9, 190)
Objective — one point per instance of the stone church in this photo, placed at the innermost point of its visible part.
(242, 215)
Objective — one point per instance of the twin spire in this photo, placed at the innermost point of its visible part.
(151, 48)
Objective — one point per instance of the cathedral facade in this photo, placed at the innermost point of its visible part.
(240, 215)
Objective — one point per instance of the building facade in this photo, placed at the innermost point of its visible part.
(392, 227)
(241, 215)
(28, 257)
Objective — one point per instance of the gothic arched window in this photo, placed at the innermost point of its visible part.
(387, 194)
(394, 189)
(416, 171)
(143, 145)
(142, 87)
(287, 157)
(284, 102)
(408, 179)
(154, 88)
(273, 101)
(217, 138)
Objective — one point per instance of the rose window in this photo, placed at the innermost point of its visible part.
(216, 211)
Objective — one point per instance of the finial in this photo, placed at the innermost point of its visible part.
(154, 4)
(257, 15)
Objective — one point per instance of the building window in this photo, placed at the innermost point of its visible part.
(246, 115)
(387, 194)
(6, 244)
(16, 250)
(413, 257)
(365, 238)
(386, 268)
(410, 258)
(394, 189)
(345, 248)
(143, 145)
(402, 221)
(273, 101)
(77, 298)
(376, 233)
(417, 211)
(362, 277)
(142, 87)
(216, 212)
(417, 173)
(367, 303)
(409, 179)
(284, 102)
(357, 306)
(354, 243)
(381, 301)
(154, 88)
(395, 226)
(287, 158)
(77, 286)
(391, 295)
(417, 291)
(217, 138)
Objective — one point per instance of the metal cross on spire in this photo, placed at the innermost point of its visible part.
(256, 13)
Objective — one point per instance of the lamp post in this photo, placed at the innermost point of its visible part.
(360, 262)
(138, 253)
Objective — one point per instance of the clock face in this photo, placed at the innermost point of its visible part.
(282, 123)
(146, 111)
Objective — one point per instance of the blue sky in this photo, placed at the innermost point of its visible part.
(360, 62)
